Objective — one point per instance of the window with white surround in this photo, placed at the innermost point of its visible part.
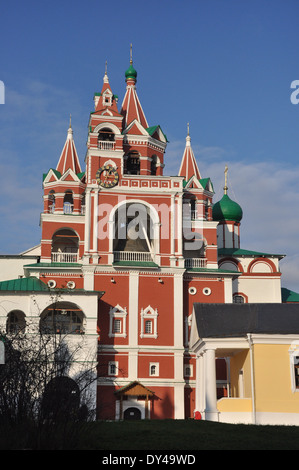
(149, 324)
(154, 369)
(112, 368)
(117, 324)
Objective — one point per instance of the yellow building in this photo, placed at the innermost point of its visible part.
(260, 345)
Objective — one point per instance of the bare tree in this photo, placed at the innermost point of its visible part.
(47, 384)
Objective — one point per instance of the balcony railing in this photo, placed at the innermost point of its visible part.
(195, 263)
(132, 256)
(106, 145)
(68, 208)
(64, 257)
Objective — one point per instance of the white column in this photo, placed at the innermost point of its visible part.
(179, 412)
(179, 221)
(211, 412)
(87, 221)
(133, 324)
(200, 385)
(228, 290)
(95, 220)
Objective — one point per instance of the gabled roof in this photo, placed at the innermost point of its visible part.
(52, 175)
(203, 183)
(135, 128)
(238, 320)
(156, 130)
(134, 388)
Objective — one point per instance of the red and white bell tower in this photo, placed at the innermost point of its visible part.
(146, 241)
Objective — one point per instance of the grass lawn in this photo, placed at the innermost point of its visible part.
(148, 436)
(188, 435)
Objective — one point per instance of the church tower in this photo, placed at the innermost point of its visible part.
(145, 241)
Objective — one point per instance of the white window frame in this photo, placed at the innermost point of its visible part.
(156, 366)
(118, 313)
(149, 314)
(113, 364)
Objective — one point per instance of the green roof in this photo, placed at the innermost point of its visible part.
(24, 284)
(226, 209)
(33, 284)
(152, 129)
(203, 181)
(241, 252)
(288, 295)
(57, 173)
(131, 73)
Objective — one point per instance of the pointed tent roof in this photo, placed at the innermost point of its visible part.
(189, 166)
(131, 107)
(69, 158)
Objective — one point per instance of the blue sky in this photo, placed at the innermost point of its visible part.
(224, 66)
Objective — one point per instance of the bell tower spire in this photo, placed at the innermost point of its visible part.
(69, 158)
(189, 166)
(131, 107)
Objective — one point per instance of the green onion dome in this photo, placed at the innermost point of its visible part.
(131, 73)
(226, 209)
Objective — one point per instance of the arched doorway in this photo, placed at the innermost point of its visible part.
(61, 399)
(132, 413)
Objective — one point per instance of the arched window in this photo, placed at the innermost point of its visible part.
(106, 135)
(68, 202)
(106, 139)
(15, 322)
(65, 245)
(83, 204)
(154, 165)
(133, 230)
(133, 163)
(62, 318)
(51, 201)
